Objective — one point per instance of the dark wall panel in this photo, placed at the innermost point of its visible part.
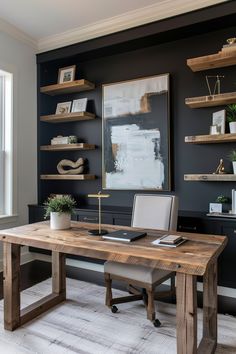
(158, 59)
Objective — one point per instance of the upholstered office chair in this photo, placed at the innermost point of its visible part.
(150, 211)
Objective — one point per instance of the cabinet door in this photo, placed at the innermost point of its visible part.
(227, 260)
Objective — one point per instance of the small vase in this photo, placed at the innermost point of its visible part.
(232, 127)
(234, 167)
(60, 221)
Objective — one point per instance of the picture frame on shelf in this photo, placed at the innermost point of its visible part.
(79, 105)
(218, 119)
(136, 136)
(215, 207)
(66, 74)
(63, 107)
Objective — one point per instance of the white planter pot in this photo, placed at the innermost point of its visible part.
(232, 127)
(234, 166)
(60, 221)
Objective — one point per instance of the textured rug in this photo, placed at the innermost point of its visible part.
(82, 324)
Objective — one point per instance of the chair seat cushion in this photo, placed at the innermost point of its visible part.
(136, 272)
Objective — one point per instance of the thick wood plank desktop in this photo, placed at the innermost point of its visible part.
(196, 257)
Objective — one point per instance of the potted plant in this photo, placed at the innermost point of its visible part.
(59, 209)
(222, 199)
(231, 117)
(232, 157)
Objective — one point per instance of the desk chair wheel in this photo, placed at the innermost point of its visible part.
(114, 309)
(157, 323)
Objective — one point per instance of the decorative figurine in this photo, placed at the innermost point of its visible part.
(220, 168)
(216, 86)
(77, 167)
(99, 231)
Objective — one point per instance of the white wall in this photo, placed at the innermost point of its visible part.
(20, 57)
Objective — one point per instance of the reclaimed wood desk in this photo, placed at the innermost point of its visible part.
(196, 257)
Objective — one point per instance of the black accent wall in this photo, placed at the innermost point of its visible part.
(134, 54)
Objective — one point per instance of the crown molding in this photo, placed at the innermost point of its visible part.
(155, 12)
(18, 34)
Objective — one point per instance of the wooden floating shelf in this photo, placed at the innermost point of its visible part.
(221, 59)
(210, 177)
(66, 118)
(210, 139)
(67, 147)
(67, 87)
(68, 177)
(210, 101)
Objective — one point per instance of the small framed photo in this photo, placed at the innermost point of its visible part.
(63, 107)
(66, 74)
(215, 208)
(79, 105)
(218, 119)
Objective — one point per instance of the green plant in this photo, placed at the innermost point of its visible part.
(63, 204)
(232, 155)
(222, 199)
(231, 112)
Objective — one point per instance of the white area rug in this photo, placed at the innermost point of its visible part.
(82, 324)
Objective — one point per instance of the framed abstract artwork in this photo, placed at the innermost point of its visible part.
(136, 134)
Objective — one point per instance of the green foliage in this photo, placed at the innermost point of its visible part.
(231, 112)
(64, 204)
(222, 199)
(232, 155)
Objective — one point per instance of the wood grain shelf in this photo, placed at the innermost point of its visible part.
(221, 59)
(210, 177)
(66, 118)
(67, 87)
(68, 177)
(210, 101)
(67, 147)
(210, 139)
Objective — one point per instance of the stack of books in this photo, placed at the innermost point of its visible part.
(169, 241)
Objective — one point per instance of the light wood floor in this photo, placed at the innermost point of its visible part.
(84, 325)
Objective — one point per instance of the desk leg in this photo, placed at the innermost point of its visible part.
(11, 276)
(186, 316)
(58, 273)
(209, 340)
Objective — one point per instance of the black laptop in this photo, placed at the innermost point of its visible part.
(124, 235)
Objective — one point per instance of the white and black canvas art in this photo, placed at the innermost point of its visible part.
(136, 134)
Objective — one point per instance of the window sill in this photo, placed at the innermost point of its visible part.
(6, 219)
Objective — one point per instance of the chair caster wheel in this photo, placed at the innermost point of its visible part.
(157, 323)
(114, 309)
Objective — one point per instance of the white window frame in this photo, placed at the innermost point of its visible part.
(8, 158)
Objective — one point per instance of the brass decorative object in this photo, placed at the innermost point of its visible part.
(231, 41)
(77, 167)
(217, 87)
(98, 231)
(220, 168)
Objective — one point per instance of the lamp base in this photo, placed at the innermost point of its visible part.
(97, 233)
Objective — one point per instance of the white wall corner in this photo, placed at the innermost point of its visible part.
(162, 9)
(18, 34)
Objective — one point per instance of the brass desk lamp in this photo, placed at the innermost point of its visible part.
(99, 231)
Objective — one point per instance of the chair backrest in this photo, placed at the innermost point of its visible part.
(154, 211)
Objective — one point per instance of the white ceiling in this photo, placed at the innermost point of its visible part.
(49, 24)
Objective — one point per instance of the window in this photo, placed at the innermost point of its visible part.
(6, 144)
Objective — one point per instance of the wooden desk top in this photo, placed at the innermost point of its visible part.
(193, 257)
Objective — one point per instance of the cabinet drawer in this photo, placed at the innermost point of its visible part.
(93, 218)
